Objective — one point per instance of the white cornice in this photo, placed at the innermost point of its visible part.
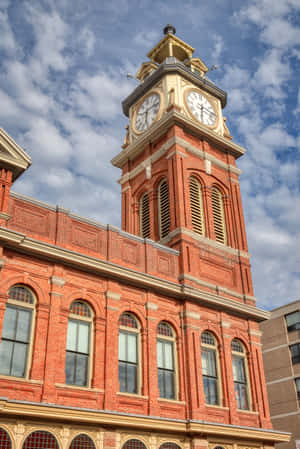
(161, 126)
(190, 148)
(12, 408)
(202, 239)
(81, 261)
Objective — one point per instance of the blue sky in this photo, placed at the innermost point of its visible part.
(63, 77)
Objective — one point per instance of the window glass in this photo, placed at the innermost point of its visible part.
(209, 368)
(78, 345)
(169, 446)
(238, 369)
(293, 321)
(23, 326)
(165, 361)
(131, 345)
(40, 440)
(298, 386)
(134, 444)
(82, 442)
(9, 323)
(128, 354)
(72, 335)
(83, 337)
(5, 442)
(15, 341)
(239, 375)
(295, 352)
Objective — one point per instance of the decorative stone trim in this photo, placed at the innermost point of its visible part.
(55, 280)
(151, 306)
(208, 158)
(176, 152)
(5, 216)
(206, 240)
(22, 242)
(188, 314)
(215, 287)
(12, 408)
(255, 333)
(113, 295)
(225, 324)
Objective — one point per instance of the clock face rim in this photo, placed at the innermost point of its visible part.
(139, 105)
(192, 89)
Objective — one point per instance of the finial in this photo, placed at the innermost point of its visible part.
(169, 29)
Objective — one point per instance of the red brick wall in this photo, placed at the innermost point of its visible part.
(189, 320)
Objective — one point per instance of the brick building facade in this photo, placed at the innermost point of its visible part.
(145, 337)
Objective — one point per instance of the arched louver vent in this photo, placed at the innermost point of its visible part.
(164, 210)
(196, 206)
(218, 215)
(144, 216)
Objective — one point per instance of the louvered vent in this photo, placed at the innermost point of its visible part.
(144, 216)
(164, 211)
(218, 215)
(196, 206)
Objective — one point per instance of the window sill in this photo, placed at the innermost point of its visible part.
(219, 407)
(173, 401)
(251, 412)
(132, 395)
(21, 379)
(78, 387)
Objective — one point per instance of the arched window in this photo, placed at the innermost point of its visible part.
(218, 215)
(196, 206)
(163, 209)
(239, 367)
(82, 441)
(40, 440)
(169, 446)
(134, 444)
(128, 353)
(16, 332)
(166, 361)
(209, 360)
(78, 344)
(144, 216)
(5, 441)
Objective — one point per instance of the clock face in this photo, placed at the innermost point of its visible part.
(201, 108)
(147, 112)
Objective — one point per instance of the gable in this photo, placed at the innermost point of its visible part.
(12, 156)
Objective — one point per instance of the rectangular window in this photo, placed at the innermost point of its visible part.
(240, 382)
(295, 353)
(298, 386)
(128, 362)
(209, 372)
(293, 321)
(77, 356)
(15, 341)
(165, 365)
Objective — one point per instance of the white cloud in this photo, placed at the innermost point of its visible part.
(99, 96)
(219, 46)
(272, 69)
(146, 38)
(51, 34)
(46, 144)
(7, 41)
(86, 41)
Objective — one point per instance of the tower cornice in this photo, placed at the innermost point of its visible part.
(169, 119)
(172, 65)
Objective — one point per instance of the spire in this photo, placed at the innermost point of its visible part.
(169, 29)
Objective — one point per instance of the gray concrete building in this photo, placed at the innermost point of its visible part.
(281, 355)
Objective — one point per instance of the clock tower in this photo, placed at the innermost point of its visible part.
(180, 183)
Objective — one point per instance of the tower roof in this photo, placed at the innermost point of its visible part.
(169, 46)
